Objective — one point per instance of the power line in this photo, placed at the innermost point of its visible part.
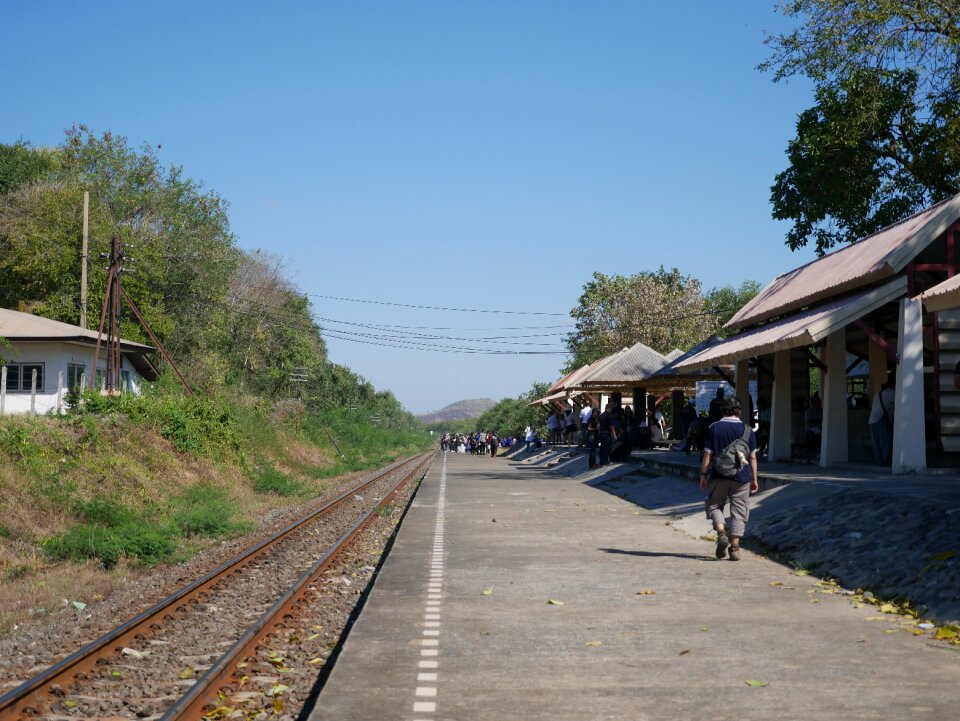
(435, 337)
(435, 307)
(440, 349)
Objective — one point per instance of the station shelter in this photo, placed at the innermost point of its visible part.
(859, 304)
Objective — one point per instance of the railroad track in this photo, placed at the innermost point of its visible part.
(223, 645)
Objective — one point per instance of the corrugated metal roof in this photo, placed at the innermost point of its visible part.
(631, 365)
(873, 258)
(15, 325)
(800, 329)
(674, 354)
(944, 296)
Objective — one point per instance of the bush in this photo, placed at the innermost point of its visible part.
(206, 511)
(269, 480)
(86, 541)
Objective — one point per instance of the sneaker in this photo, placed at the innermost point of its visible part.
(734, 553)
(722, 543)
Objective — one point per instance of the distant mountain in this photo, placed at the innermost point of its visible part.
(458, 411)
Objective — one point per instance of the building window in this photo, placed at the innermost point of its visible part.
(75, 373)
(20, 377)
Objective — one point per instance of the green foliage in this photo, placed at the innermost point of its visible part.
(511, 416)
(664, 310)
(21, 164)
(724, 302)
(109, 544)
(198, 425)
(205, 510)
(269, 480)
(108, 531)
(883, 139)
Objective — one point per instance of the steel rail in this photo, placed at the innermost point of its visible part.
(207, 693)
(29, 698)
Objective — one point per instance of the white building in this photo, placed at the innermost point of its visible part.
(57, 355)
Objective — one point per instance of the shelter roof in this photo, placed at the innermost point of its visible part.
(674, 354)
(864, 262)
(629, 366)
(944, 296)
(799, 329)
(18, 326)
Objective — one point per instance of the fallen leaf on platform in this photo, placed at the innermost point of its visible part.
(549, 510)
(888, 608)
(890, 630)
(685, 651)
(487, 592)
(705, 629)
(555, 602)
(776, 583)
(800, 572)
(315, 661)
(646, 592)
(875, 618)
(277, 690)
(814, 600)
(918, 632)
(946, 633)
(593, 643)
(754, 682)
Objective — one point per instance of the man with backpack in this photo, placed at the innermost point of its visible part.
(729, 468)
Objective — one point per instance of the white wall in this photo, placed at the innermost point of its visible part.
(55, 357)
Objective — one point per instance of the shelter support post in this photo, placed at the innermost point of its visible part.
(909, 442)
(877, 357)
(639, 402)
(781, 415)
(742, 388)
(833, 439)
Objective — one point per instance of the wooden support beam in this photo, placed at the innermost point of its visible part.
(878, 340)
(723, 374)
(814, 361)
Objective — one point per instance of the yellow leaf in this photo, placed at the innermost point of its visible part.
(313, 636)
(315, 661)
(186, 673)
(555, 602)
(244, 679)
(890, 630)
(277, 661)
(646, 592)
(277, 690)
(593, 643)
(945, 633)
(277, 706)
(754, 682)
(70, 703)
(705, 629)
(875, 618)
(918, 632)
(888, 608)
(218, 713)
(814, 600)
(776, 583)
(487, 592)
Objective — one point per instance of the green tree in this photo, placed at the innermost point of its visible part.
(724, 302)
(662, 309)
(510, 416)
(883, 139)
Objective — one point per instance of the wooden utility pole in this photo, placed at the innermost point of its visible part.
(83, 268)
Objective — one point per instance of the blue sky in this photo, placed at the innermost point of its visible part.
(484, 155)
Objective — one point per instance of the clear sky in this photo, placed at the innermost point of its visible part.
(482, 155)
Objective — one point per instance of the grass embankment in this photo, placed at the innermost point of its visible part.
(95, 498)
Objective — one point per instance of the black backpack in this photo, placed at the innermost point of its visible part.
(734, 457)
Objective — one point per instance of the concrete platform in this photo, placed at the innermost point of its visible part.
(649, 625)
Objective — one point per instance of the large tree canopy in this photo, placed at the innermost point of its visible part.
(663, 309)
(883, 139)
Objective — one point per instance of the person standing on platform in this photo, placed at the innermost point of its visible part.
(729, 469)
(590, 432)
(492, 441)
(586, 413)
(606, 434)
(716, 407)
(881, 423)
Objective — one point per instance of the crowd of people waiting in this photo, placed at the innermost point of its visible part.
(478, 444)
